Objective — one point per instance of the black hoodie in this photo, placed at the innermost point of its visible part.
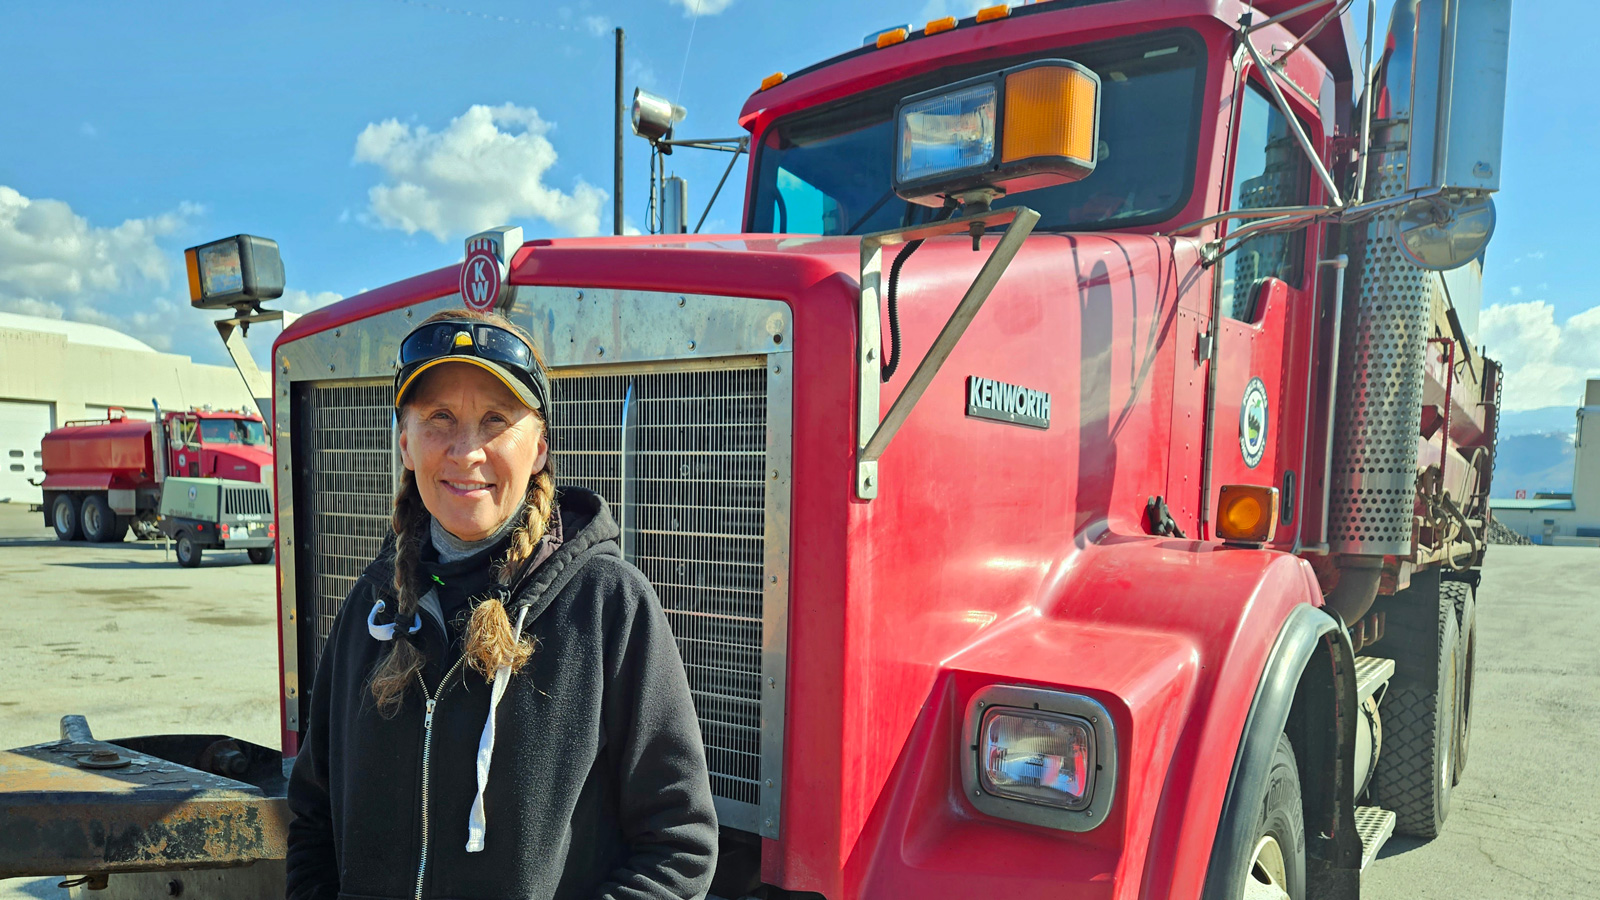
(598, 786)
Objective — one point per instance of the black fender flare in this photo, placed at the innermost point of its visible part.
(1304, 632)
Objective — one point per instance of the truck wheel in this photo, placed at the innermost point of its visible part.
(260, 555)
(1466, 603)
(1277, 867)
(100, 524)
(1416, 768)
(64, 512)
(188, 551)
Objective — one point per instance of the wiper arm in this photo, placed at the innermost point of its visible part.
(887, 195)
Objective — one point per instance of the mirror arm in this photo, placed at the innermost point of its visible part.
(1271, 75)
(744, 144)
(873, 436)
(233, 332)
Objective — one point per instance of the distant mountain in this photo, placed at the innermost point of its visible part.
(1533, 463)
(1545, 420)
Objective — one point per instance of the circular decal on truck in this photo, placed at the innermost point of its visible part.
(480, 275)
(1253, 423)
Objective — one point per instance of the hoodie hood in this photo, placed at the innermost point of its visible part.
(588, 529)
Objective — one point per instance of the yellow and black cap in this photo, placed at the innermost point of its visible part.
(473, 341)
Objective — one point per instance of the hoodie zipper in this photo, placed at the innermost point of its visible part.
(427, 747)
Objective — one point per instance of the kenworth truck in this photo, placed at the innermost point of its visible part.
(1070, 483)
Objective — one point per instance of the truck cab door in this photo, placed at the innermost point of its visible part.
(1266, 320)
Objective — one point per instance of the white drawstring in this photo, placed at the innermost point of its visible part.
(477, 828)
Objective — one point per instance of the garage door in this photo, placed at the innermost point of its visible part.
(22, 425)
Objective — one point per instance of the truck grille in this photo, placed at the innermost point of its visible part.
(246, 501)
(680, 456)
(348, 433)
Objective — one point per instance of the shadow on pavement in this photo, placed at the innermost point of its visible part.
(1400, 844)
(208, 562)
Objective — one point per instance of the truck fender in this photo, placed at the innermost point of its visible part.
(1309, 675)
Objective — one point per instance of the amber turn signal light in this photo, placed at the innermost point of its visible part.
(1247, 514)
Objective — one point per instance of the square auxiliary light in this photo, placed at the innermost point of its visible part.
(1018, 129)
(242, 270)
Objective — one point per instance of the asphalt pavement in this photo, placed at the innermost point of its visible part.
(122, 634)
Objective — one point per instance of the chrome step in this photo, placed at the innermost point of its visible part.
(1371, 674)
(1376, 826)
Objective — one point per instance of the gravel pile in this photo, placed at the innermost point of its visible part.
(1500, 534)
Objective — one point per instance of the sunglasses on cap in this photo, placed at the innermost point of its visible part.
(492, 348)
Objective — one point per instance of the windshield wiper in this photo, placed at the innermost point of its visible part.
(887, 195)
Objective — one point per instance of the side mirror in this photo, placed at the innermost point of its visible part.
(1018, 129)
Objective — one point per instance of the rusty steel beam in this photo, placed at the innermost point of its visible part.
(85, 807)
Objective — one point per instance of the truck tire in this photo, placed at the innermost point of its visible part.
(188, 551)
(64, 515)
(1416, 768)
(260, 555)
(1277, 866)
(100, 524)
(1465, 599)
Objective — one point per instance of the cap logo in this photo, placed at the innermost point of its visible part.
(481, 275)
(463, 339)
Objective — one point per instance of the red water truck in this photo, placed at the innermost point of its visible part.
(1072, 482)
(105, 476)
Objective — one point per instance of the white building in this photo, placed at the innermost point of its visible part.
(54, 371)
(1565, 519)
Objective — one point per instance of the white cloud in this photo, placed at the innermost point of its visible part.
(56, 264)
(1516, 290)
(486, 168)
(302, 301)
(1545, 363)
(599, 26)
(50, 253)
(693, 8)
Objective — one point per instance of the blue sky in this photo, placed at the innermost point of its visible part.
(369, 136)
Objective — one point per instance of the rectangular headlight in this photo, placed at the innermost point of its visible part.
(1038, 757)
(947, 134)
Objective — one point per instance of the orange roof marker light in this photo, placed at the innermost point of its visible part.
(891, 37)
(1247, 514)
(948, 23)
(773, 80)
(990, 13)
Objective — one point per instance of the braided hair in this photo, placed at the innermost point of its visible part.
(490, 643)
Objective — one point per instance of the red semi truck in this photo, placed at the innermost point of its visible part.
(103, 476)
(1071, 483)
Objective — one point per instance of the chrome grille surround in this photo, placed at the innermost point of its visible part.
(676, 408)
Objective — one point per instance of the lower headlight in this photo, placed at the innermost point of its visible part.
(1037, 757)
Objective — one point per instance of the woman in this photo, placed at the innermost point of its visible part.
(500, 710)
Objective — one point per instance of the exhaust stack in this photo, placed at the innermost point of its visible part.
(1439, 100)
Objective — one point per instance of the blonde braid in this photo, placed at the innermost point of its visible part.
(410, 523)
(490, 644)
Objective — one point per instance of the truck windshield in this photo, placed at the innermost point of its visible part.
(828, 172)
(232, 431)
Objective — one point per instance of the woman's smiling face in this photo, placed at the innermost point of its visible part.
(472, 446)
